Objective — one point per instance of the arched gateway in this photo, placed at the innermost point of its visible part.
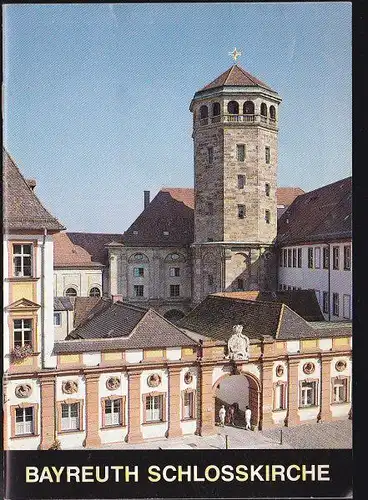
(242, 389)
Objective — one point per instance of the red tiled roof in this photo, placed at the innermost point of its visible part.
(322, 214)
(95, 244)
(286, 195)
(236, 76)
(185, 195)
(68, 254)
(21, 207)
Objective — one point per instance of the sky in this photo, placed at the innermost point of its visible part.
(97, 96)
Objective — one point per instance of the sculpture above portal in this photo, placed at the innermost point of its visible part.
(238, 344)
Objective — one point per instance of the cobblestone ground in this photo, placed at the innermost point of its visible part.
(323, 435)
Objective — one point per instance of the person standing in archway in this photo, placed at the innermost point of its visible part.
(248, 415)
(222, 415)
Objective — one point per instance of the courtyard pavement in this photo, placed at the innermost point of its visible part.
(323, 435)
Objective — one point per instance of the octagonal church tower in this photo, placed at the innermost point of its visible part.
(235, 134)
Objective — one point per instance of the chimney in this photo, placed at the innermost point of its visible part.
(31, 183)
(147, 195)
(116, 298)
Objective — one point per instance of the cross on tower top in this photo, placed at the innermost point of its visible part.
(235, 54)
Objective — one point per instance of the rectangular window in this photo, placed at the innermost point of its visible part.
(294, 257)
(22, 332)
(300, 263)
(240, 284)
(347, 258)
(267, 189)
(112, 412)
(174, 290)
(70, 417)
(210, 155)
(308, 394)
(285, 257)
(280, 397)
(267, 154)
(154, 408)
(175, 272)
(57, 319)
(346, 306)
(241, 211)
(267, 216)
(22, 260)
(138, 272)
(209, 208)
(188, 405)
(138, 290)
(317, 258)
(325, 303)
(340, 393)
(326, 257)
(289, 256)
(240, 152)
(335, 304)
(335, 258)
(310, 258)
(241, 181)
(24, 421)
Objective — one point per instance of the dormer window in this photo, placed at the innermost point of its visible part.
(135, 232)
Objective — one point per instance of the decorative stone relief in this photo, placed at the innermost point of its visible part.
(69, 387)
(279, 370)
(340, 365)
(23, 390)
(188, 377)
(308, 368)
(113, 383)
(238, 344)
(154, 380)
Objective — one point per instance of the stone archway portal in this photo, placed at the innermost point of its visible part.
(241, 390)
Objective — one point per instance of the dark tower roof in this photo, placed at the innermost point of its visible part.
(236, 76)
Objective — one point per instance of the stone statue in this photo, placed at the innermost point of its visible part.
(238, 344)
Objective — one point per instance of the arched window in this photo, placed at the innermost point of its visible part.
(263, 109)
(273, 112)
(233, 107)
(71, 292)
(248, 108)
(216, 109)
(203, 112)
(95, 292)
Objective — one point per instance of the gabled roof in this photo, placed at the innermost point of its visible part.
(216, 315)
(66, 254)
(170, 211)
(22, 210)
(62, 304)
(236, 76)
(95, 244)
(320, 215)
(85, 307)
(137, 327)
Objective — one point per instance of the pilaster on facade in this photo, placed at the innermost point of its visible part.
(134, 407)
(48, 415)
(93, 439)
(174, 395)
(325, 414)
(206, 420)
(266, 420)
(292, 417)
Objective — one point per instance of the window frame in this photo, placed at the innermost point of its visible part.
(279, 386)
(58, 314)
(300, 258)
(289, 257)
(71, 295)
(174, 272)
(22, 256)
(24, 406)
(122, 411)
(22, 331)
(174, 290)
(317, 257)
(325, 303)
(294, 257)
(138, 272)
(267, 155)
(241, 211)
(344, 381)
(336, 258)
(136, 288)
(326, 257)
(80, 416)
(162, 407)
(94, 294)
(315, 394)
(192, 406)
(310, 258)
(285, 257)
(267, 189)
(241, 181)
(346, 295)
(347, 258)
(210, 155)
(240, 157)
(336, 304)
(268, 216)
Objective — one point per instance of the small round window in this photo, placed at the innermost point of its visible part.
(95, 292)
(71, 292)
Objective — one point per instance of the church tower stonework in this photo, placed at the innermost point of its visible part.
(235, 134)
